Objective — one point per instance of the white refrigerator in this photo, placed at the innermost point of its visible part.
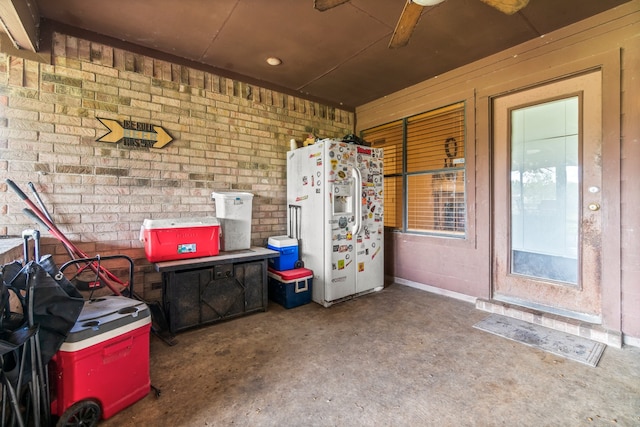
(335, 198)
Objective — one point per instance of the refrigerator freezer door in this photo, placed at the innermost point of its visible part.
(306, 184)
(344, 200)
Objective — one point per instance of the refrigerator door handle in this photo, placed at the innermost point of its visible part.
(357, 200)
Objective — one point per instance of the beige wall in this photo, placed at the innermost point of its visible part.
(227, 135)
(611, 42)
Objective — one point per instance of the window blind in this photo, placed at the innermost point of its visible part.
(435, 168)
(424, 170)
(390, 137)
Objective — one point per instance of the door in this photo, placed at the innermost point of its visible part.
(547, 195)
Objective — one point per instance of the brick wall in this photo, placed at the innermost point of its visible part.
(228, 135)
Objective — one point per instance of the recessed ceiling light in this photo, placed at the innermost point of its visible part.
(272, 60)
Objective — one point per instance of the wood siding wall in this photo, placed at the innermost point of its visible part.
(609, 41)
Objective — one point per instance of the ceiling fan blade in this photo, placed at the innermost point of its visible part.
(407, 22)
(323, 5)
(507, 6)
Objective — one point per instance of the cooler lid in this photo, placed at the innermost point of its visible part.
(105, 314)
(296, 273)
(281, 241)
(207, 221)
(231, 195)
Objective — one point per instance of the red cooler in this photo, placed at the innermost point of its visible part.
(103, 365)
(180, 238)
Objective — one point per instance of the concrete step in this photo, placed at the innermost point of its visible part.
(552, 321)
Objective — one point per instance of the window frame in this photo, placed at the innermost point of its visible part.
(405, 175)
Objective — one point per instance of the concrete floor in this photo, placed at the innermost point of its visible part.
(400, 357)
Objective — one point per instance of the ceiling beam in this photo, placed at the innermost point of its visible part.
(20, 19)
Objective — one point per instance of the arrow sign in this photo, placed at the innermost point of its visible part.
(135, 134)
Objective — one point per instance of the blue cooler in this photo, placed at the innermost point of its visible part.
(290, 288)
(288, 248)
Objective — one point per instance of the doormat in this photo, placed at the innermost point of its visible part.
(572, 347)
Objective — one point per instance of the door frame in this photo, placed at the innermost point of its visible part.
(582, 299)
(609, 64)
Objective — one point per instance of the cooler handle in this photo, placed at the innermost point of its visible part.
(35, 235)
(302, 288)
(116, 349)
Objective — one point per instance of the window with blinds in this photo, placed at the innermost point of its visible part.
(424, 161)
(390, 137)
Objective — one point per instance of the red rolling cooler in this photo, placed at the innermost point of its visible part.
(103, 365)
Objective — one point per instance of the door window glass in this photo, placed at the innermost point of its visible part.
(545, 190)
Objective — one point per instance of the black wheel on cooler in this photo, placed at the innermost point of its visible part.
(85, 413)
(298, 264)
